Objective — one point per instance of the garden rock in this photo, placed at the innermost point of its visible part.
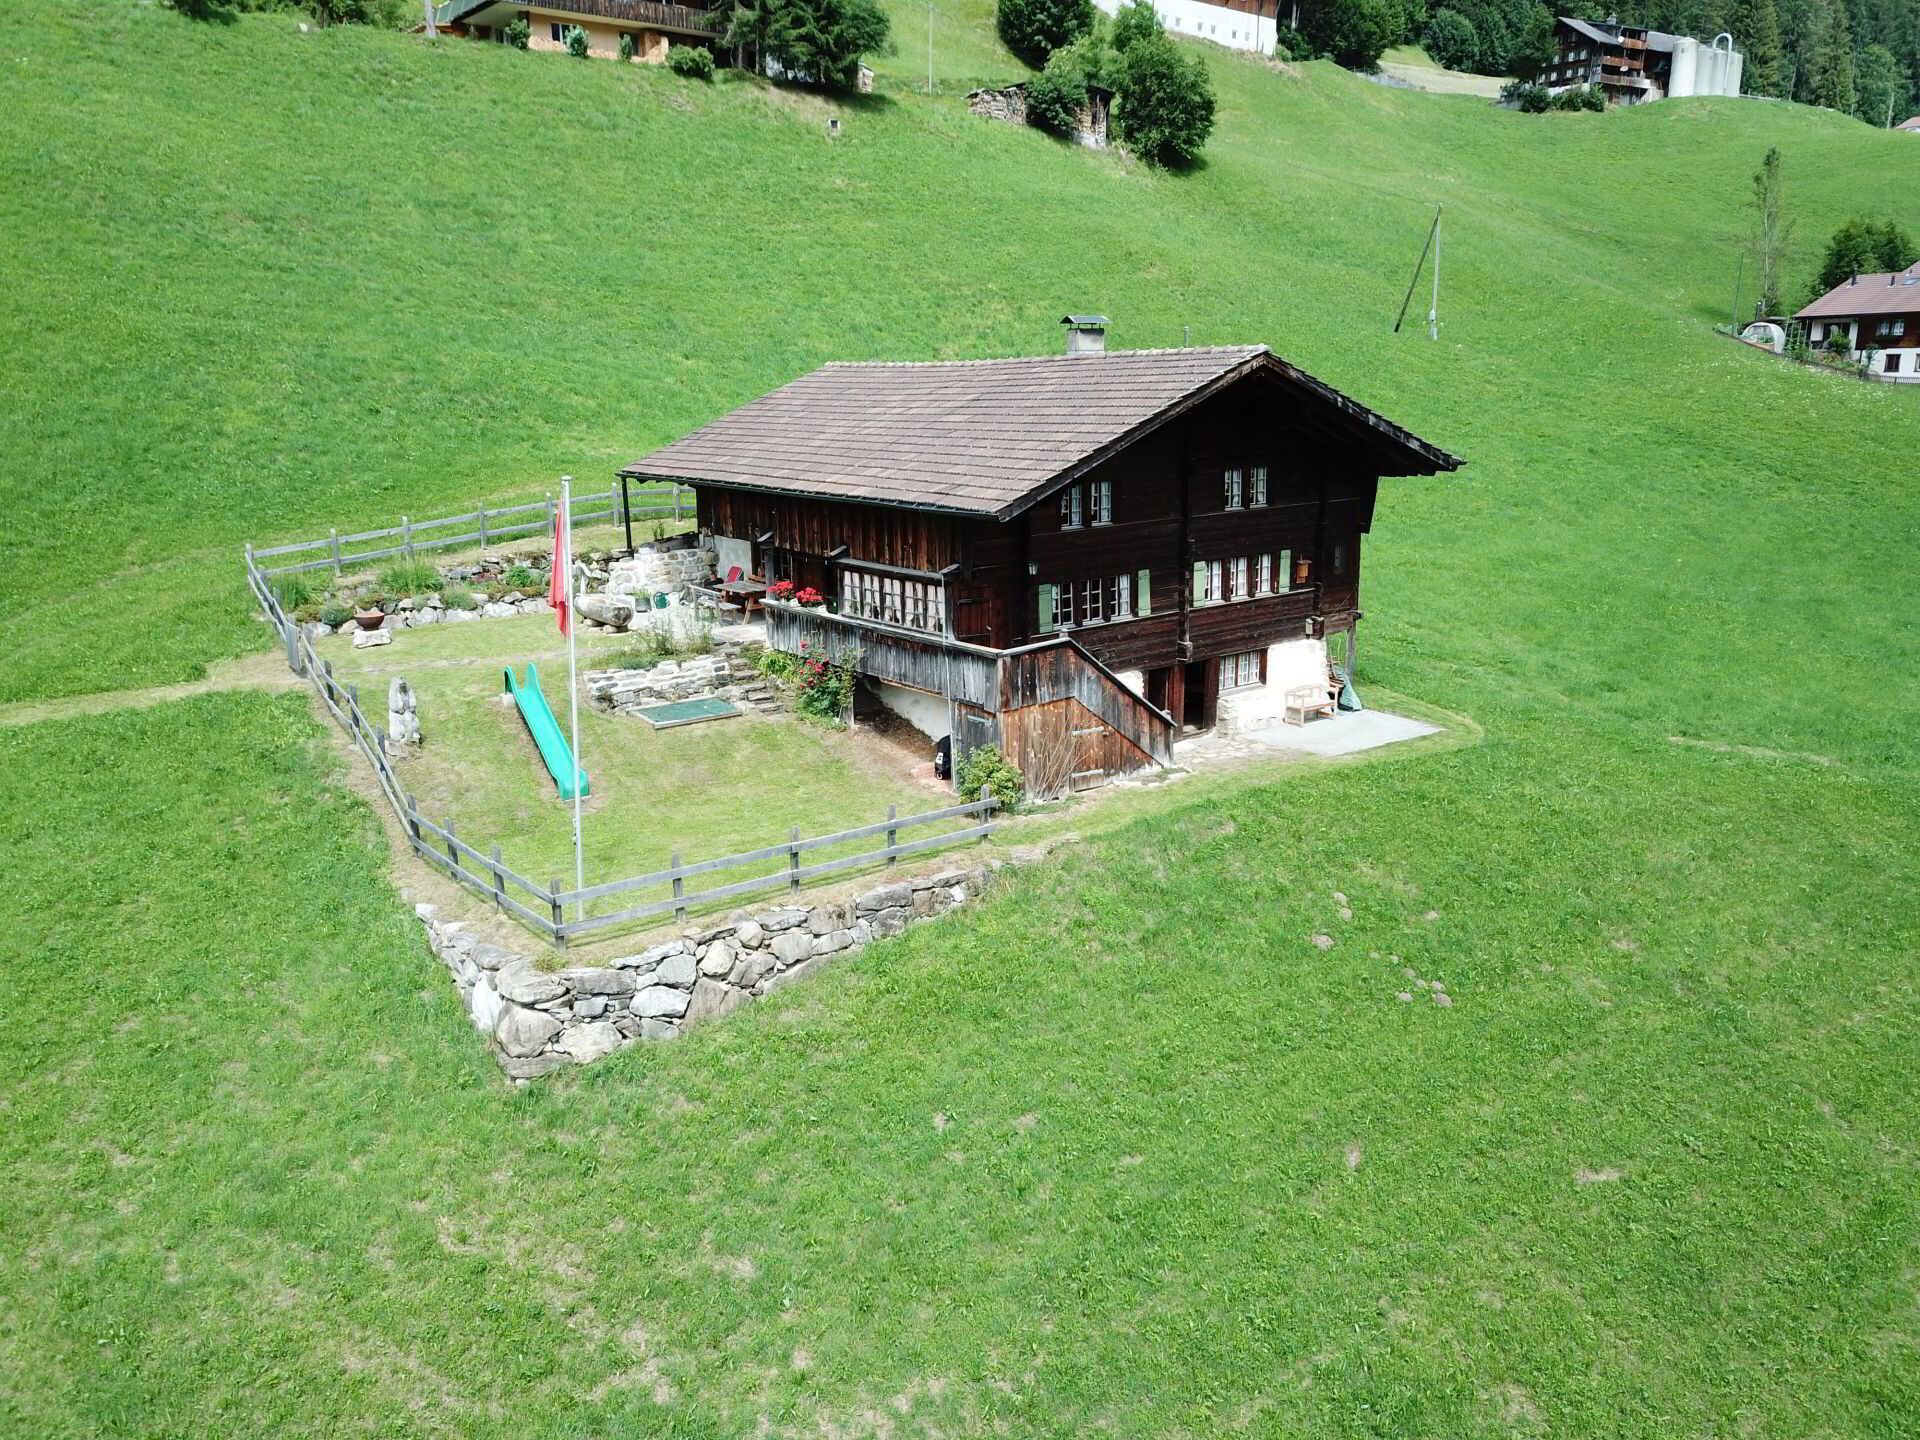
(829, 918)
(887, 897)
(527, 986)
(792, 946)
(655, 1029)
(677, 969)
(650, 959)
(751, 969)
(749, 935)
(890, 922)
(367, 639)
(533, 1066)
(521, 1032)
(590, 1042)
(593, 980)
(828, 944)
(660, 1001)
(777, 920)
(485, 1005)
(712, 999)
(605, 610)
(717, 961)
(589, 1007)
(498, 610)
(490, 957)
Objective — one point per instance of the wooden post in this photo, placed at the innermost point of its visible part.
(676, 502)
(413, 822)
(893, 835)
(483, 527)
(793, 860)
(679, 886)
(333, 546)
(986, 816)
(291, 634)
(559, 914)
(406, 535)
(453, 851)
(499, 882)
(626, 512)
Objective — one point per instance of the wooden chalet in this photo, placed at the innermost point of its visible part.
(1076, 557)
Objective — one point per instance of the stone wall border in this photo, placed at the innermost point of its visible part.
(540, 1021)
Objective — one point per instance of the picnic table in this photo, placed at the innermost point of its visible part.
(746, 593)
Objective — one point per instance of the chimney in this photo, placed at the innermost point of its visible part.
(1086, 334)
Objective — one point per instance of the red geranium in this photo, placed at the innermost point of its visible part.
(781, 590)
(810, 596)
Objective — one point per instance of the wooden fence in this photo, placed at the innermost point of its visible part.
(544, 908)
(482, 527)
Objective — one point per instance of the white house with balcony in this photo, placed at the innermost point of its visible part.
(1239, 24)
(1878, 317)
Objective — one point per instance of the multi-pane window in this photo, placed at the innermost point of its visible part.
(1236, 492)
(1101, 494)
(1257, 485)
(1237, 578)
(1073, 513)
(558, 32)
(1208, 582)
(1238, 672)
(1241, 577)
(893, 600)
(1263, 573)
(1071, 603)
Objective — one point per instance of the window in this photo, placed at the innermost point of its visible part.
(1206, 582)
(1103, 502)
(1242, 671)
(1337, 560)
(1899, 327)
(559, 33)
(1237, 578)
(1236, 495)
(1143, 593)
(1120, 598)
(1047, 607)
(1263, 574)
(1257, 485)
(1892, 364)
(1092, 597)
(894, 600)
(1072, 513)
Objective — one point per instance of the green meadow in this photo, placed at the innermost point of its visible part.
(1121, 1150)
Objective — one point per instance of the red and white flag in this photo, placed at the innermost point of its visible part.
(560, 587)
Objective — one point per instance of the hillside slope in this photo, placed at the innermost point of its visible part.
(1122, 1150)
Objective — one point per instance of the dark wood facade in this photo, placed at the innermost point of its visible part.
(1149, 514)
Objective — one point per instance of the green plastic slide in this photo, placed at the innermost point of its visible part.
(531, 701)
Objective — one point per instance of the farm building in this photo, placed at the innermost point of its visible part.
(1633, 64)
(1077, 557)
(652, 27)
(1878, 319)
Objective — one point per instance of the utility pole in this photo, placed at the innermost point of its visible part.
(1433, 310)
(1739, 276)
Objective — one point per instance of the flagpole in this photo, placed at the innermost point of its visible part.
(573, 697)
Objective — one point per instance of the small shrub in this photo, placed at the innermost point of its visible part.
(460, 599)
(1353, 33)
(409, 577)
(1166, 102)
(295, 590)
(626, 46)
(335, 614)
(576, 42)
(1526, 96)
(777, 665)
(519, 577)
(1056, 96)
(1135, 22)
(987, 769)
(1584, 97)
(826, 689)
(694, 62)
(518, 32)
(1836, 343)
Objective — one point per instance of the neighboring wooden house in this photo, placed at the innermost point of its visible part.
(1633, 64)
(1077, 557)
(1879, 316)
(1911, 126)
(653, 27)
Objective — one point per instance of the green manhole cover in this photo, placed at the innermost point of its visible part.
(687, 712)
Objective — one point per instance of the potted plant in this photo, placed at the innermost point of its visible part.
(780, 590)
(370, 618)
(810, 598)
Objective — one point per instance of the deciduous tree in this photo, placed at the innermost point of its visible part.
(1034, 29)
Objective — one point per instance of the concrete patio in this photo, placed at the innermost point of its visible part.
(1346, 733)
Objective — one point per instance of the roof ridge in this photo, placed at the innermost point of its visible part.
(1039, 359)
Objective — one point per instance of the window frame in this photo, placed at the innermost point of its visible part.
(1073, 515)
(1237, 665)
(1233, 489)
(1100, 502)
(1256, 487)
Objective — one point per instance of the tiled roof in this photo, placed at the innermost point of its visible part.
(1882, 294)
(985, 436)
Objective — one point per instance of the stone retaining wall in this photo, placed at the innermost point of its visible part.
(537, 1022)
(722, 675)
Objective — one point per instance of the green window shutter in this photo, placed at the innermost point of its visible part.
(1143, 593)
(1199, 582)
(1283, 580)
(1049, 609)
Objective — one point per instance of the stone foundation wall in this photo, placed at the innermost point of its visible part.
(723, 675)
(657, 570)
(537, 1022)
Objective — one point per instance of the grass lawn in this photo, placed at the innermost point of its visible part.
(1123, 1150)
(705, 790)
(1416, 67)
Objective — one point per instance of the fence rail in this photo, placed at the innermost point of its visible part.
(488, 526)
(544, 908)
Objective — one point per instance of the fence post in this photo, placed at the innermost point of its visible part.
(406, 535)
(483, 527)
(453, 851)
(679, 887)
(559, 914)
(676, 502)
(333, 547)
(793, 860)
(292, 636)
(986, 816)
(413, 822)
(550, 515)
(379, 746)
(893, 835)
(499, 882)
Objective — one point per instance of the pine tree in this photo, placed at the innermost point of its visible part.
(1755, 27)
(1833, 84)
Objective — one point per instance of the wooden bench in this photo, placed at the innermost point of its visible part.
(1305, 701)
(708, 597)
